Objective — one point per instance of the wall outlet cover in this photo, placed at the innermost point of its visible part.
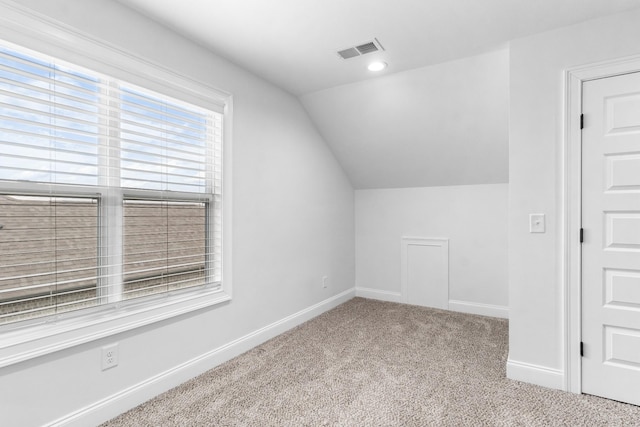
(109, 356)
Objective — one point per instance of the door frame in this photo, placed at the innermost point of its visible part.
(571, 196)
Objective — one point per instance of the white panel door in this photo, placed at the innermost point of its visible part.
(425, 272)
(611, 248)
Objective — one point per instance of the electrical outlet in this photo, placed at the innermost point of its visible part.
(325, 281)
(109, 356)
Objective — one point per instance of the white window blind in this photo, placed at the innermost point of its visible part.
(168, 146)
(108, 191)
(51, 121)
(165, 246)
(48, 255)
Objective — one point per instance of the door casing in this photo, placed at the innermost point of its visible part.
(570, 247)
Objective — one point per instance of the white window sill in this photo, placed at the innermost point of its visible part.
(21, 344)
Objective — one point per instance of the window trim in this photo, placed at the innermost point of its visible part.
(23, 27)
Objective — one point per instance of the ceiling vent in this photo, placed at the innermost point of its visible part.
(362, 49)
(349, 53)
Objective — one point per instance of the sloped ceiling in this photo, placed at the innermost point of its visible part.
(441, 125)
(431, 118)
(293, 43)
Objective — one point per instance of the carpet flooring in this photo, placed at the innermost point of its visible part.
(372, 363)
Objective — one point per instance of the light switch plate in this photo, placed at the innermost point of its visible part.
(536, 223)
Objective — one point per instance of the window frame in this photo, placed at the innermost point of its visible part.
(26, 340)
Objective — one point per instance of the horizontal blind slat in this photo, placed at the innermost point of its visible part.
(35, 78)
(154, 122)
(152, 101)
(42, 65)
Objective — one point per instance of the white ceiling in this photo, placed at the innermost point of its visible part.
(293, 43)
(438, 115)
(446, 124)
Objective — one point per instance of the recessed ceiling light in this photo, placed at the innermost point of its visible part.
(377, 66)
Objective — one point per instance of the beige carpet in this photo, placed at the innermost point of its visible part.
(370, 363)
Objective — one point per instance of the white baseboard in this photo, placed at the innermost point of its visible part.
(535, 374)
(479, 308)
(379, 294)
(105, 409)
(454, 305)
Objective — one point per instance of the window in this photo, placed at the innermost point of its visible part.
(48, 255)
(109, 192)
(164, 246)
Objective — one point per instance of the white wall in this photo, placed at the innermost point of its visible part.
(293, 222)
(473, 217)
(536, 328)
(445, 124)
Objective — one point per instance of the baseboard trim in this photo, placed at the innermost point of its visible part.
(479, 308)
(454, 305)
(535, 374)
(378, 294)
(109, 407)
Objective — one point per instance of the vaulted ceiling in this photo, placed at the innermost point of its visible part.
(437, 115)
(445, 124)
(293, 43)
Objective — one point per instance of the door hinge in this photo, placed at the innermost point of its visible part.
(582, 235)
(581, 121)
(581, 349)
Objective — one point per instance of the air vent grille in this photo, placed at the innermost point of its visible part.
(367, 48)
(361, 49)
(349, 53)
